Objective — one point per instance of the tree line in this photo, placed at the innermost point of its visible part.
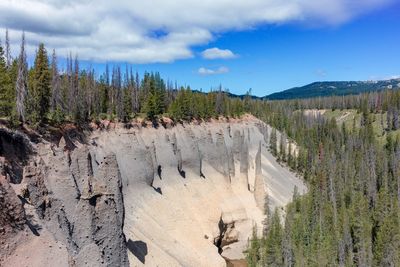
(43, 93)
(350, 215)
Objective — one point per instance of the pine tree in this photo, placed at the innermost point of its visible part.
(387, 243)
(6, 92)
(273, 242)
(282, 148)
(273, 142)
(137, 105)
(119, 94)
(361, 227)
(41, 84)
(21, 83)
(133, 91)
(56, 97)
(395, 119)
(103, 94)
(290, 158)
(252, 252)
(154, 104)
(74, 90)
(70, 90)
(219, 102)
(82, 100)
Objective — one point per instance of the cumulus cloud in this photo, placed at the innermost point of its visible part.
(215, 53)
(150, 31)
(205, 71)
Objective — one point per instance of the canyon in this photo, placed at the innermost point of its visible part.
(137, 195)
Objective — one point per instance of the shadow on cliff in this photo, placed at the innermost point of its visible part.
(138, 248)
(15, 150)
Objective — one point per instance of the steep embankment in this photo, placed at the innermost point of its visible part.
(174, 196)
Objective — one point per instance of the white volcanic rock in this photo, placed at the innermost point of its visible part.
(174, 196)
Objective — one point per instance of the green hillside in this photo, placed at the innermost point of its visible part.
(334, 88)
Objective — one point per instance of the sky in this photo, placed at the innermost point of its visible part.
(262, 45)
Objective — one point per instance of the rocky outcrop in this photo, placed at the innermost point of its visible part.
(187, 195)
(263, 128)
(227, 234)
(84, 208)
(15, 149)
(236, 142)
(260, 191)
(12, 214)
(244, 160)
(221, 161)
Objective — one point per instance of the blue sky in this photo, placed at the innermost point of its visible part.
(266, 45)
(277, 57)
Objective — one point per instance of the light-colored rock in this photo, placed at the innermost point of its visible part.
(157, 197)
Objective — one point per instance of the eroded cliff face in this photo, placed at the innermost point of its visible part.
(176, 196)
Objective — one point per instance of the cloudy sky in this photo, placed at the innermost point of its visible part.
(266, 45)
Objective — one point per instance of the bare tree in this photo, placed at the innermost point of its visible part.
(134, 91)
(331, 189)
(395, 119)
(71, 93)
(219, 102)
(117, 85)
(56, 99)
(21, 83)
(75, 88)
(8, 50)
(137, 85)
(94, 94)
(389, 118)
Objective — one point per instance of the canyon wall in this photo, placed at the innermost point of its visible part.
(187, 195)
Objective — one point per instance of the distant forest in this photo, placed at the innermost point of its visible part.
(322, 89)
(43, 93)
(350, 215)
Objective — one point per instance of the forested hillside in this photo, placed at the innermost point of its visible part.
(44, 93)
(334, 89)
(350, 217)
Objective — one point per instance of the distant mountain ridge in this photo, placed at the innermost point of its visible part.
(333, 88)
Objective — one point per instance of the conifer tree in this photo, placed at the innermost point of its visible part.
(252, 253)
(273, 142)
(56, 97)
(70, 90)
(282, 147)
(290, 157)
(21, 83)
(137, 105)
(6, 92)
(103, 94)
(273, 242)
(219, 102)
(41, 84)
(154, 104)
(75, 89)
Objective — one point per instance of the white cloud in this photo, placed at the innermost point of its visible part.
(380, 77)
(205, 71)
(321, 73)
(148, 31)
(394, 77)
(215, 53)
